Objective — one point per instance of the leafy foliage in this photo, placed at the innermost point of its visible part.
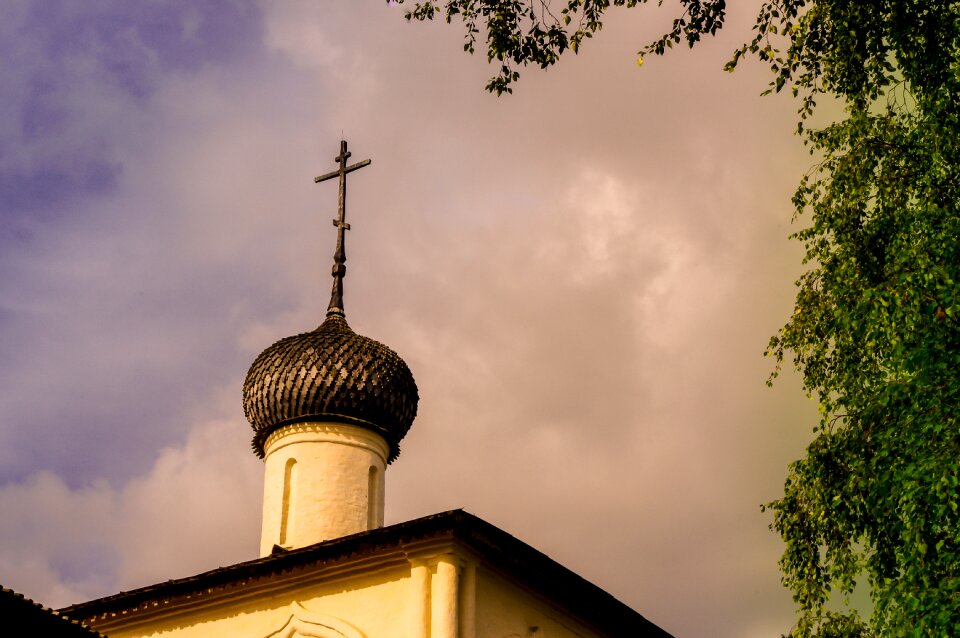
(531, 32)
(876, 327)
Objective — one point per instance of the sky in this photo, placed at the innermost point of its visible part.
(582, 276)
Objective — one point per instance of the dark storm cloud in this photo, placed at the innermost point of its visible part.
(77, 82)
(58, 55)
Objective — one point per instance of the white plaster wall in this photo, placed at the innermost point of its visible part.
(435, 595)
(375, 606)
(319, 473)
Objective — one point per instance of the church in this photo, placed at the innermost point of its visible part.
(329, 409)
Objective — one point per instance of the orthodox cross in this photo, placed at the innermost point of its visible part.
(340, 255)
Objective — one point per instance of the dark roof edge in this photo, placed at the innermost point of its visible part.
(539, 572)
(501, 552)
(16, 607)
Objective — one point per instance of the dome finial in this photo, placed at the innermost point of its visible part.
(340, 255)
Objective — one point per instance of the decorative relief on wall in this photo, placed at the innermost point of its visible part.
(302, 622)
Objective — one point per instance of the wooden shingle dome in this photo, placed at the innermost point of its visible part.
(330, 374)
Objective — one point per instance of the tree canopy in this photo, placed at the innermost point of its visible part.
(875, 331)
(519, 32)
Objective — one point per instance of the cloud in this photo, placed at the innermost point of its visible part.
(194, 509)
(104, 311)
(75, 80)
(600, 392)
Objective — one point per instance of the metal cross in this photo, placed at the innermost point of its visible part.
(340, 255)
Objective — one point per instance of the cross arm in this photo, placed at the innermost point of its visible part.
(337, 172)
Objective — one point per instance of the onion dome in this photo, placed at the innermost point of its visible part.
(330, 374)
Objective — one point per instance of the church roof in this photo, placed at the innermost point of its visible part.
(17, 610)
(497, 550)
(330, 374)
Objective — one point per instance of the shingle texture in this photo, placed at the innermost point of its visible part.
(330, 374)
